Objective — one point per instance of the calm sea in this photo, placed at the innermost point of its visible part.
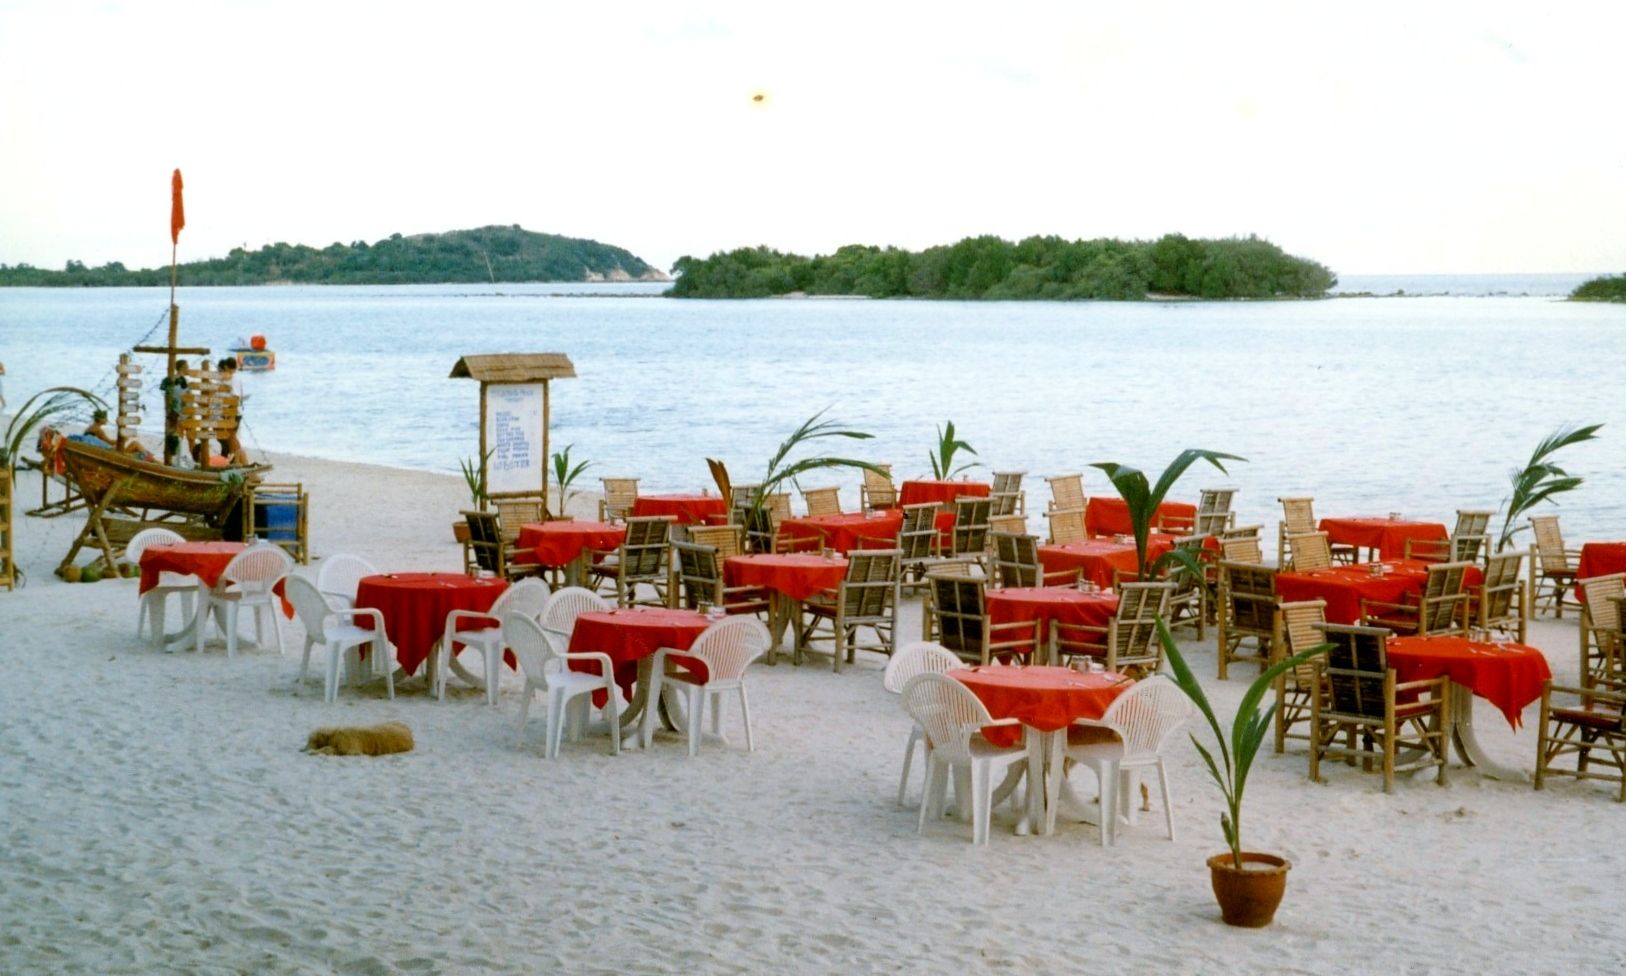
(1419, 404)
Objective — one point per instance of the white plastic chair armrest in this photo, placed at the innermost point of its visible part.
(371, 613)
(456, 615)
(600, 657)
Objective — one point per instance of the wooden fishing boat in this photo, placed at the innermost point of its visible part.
(208, 493)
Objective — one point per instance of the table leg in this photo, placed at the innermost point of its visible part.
(1462, 734)
(776, 624)
(1033, 819)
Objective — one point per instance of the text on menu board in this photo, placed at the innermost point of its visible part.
(514, 438)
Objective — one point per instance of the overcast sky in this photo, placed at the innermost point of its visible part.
(1377, 138)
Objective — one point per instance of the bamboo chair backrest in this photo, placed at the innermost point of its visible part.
(1185, 581)
(700, 572)
(1066, 525)
(1472, 521)
(1250, 597)
(485, 542)
(1298, 515)
(1242, 549)
(1135, 624)
(822, 501)
(1017, 524)
(1550, 544)
(1602, 612)
(878, 490)
(1310, 550)
(1467, 548)
(1067, 492)
(871, 582)
(1016, 559)
(970, 525)
(778, 503)
(1005, 496)
(1215, 501)
(1301, 625)
(1501, 586)
(740, 503)
(1444, 593)
(645, 553)
(918, 535)
(1357, 668)
(724, 538)
(512, 513)
(960, 613)
(619, 494)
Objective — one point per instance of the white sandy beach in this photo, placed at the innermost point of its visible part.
(159, 816)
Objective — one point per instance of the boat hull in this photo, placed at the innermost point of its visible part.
(146, 484)
(255, 360)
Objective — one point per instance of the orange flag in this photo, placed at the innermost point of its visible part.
(177, 213)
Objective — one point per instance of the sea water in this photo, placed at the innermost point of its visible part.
(1419, 405)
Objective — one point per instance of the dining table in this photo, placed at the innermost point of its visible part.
(631, 636)
(1506, 674)
(1042, 604)
(205, 560)
(1104, 515)
(844, 532)
(684, 509)
(1046, 700)
(1599, 559)
(789, 578)
(941, 491)
(1384, 538)
(415, 605)
(1101, 559)
(1344, 587)
(567, 545)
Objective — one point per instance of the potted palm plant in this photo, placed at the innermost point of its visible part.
(782, 468)
(943, 457)
(1541, 479)
(1247, 884)
(474, 476)
(566, 474)
(1143, 498)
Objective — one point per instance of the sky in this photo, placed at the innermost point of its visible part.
(1377, 138)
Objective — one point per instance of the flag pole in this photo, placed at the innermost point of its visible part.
(177, 220)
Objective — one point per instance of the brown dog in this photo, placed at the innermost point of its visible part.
(368, 740)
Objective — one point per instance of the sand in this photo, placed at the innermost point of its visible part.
(159, 816)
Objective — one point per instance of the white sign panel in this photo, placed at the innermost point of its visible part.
(514, 438)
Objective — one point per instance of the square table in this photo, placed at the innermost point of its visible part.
(1384, 537)
(1110, 516)
(846, 531)
(1344, 587)
(1599, 559)
(1100, 560)
(1042, 604)
(940, 491)
(685, 509)
(790, 579)
(567, 544)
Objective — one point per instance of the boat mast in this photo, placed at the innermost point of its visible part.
(177, 220)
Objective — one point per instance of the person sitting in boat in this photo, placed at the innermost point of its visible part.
(230, 445)
(97, 436)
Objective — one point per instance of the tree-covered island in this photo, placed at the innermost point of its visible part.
(486, 254)
(1608, 288)
(1033, 268)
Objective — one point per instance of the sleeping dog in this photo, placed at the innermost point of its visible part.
(369, 740)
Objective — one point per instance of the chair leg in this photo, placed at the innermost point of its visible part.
(612, 712)
(1107, 775)
(385, 655)
(330, 687)
(556, 721)
(231, 628)
(493, 654)
(525, 707)
(908, 760)
(652, 701)
(745, 715)
(1163, 784)
(697, 708)
(927, 798)
(716, 706)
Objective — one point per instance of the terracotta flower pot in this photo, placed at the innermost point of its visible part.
(1248, 896)
(460, 531)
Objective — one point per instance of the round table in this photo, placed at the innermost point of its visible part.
(940, 491)
(686, 509)
(567, 544)
(1508, 675)
(790, 578)
(845, 532)
(1020, 604)
(1100, 560)
(1110, 516)
(415, 606)
(1385, 536)
(1344, 587)
(204, 560)
(631, 637)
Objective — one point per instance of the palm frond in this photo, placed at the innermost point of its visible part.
(1541, 479)
(58, 401)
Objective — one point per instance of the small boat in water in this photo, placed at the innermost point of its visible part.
(253, 355)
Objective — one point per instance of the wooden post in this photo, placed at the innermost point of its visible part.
(547, 458)
(8, 568)
(171, 444)
(483, 482)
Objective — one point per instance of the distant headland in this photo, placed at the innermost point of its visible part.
(1608, 288)
(485, 254)
(1172, 267)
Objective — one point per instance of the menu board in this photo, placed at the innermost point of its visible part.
(514, 438)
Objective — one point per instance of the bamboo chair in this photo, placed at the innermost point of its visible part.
(867, 597)
(1016, 563)
(1214, 513)
(1501, 604)
(1298, 629)
(917, 541)
(762, 522)
(956, 616)
(1595, 724)
(1247, 611)
(822, 501)
(644, 557)
(1309, 551)
(1188, 602)
(1067, 493)
(515, 512)
(1242, 549)
(489, 550)
(1357, 696)
(619, 494)
(1468, 540)
(1129, 639)
(700, 582)
(878, 492)
(1551, 565)
(1015, 524)
(728, 540)
(1298, 518)
(969, 540)
(1007, 496)
(1066, 525)
(1601, 627)
(1441, 609)
(741, 500)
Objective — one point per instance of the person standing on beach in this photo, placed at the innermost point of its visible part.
(232, 447)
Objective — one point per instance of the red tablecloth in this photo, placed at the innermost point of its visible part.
(1044, 604)
(1507, 675)
(205, 560)
(628, 636)
(940, 492)
(1048, 699)
(845, 532)
(1387, 536)
(415, 606)
(1344, 587)
(560, 543)
(1110, 516)
(1597, 559)
(796, 576)
(1097, 559)
(687, 509)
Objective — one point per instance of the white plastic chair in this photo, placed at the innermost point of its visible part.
(339, 576)
(547, 670)
(726, 648)
(952, 718)
(528, 596)
(920, 657)
(246, 582)
(335, 628)
(566, 604)
(150, 612)
(1143, 718)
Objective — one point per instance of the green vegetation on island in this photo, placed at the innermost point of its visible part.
(1033, 268)
(486, 254)
(1609, 288)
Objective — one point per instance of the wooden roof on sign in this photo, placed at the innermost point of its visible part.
(515, 367)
